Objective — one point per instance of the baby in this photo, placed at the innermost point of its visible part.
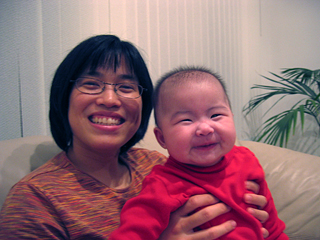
(195, 124)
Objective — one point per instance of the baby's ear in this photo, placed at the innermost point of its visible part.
(159, 136)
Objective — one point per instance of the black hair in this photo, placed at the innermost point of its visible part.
(182, 72)
(103, 51)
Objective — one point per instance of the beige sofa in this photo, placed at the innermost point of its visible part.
(293, 177)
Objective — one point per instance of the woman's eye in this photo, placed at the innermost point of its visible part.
(127, 88)
(90, 84)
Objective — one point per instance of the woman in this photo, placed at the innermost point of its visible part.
(100, 105)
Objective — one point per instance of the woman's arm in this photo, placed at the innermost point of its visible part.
(182, 222)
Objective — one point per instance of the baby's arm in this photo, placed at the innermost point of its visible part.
(146, 215)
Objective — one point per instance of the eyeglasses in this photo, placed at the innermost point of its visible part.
(94, 86)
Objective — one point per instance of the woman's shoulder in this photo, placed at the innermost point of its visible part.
(144, 158)
(45, 178)
(145, 155)
(50, 169)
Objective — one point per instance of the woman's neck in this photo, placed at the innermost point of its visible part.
(103, 166)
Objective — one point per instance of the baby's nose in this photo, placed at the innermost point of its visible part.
(204, 129)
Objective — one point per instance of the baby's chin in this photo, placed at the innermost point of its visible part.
(202, 163)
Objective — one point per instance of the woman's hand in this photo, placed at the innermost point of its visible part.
(181, 223)
(258, 200)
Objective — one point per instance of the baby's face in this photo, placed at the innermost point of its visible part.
(196, 123)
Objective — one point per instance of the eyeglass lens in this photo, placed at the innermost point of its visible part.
(95, 86)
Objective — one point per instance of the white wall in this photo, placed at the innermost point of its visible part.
(290, 34)
(289, 37)
(238, 39)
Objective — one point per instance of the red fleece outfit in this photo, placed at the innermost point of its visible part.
(168, 187)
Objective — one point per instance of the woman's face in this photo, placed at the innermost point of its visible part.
(104, 121)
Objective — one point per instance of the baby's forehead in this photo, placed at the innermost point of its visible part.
(181, 80)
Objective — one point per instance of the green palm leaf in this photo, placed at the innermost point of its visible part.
(295, 81)
(278, 128)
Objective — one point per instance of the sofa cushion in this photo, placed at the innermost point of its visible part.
(18, 157)
(293, 177)
(294, 181)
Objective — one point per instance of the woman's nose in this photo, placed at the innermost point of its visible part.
(204, 129)
(108, 97)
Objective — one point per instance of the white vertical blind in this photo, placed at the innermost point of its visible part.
(169, 33)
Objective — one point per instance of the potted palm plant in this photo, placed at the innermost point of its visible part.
(277, 129)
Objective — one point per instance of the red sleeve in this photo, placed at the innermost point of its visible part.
(147, 215)
(274, 224)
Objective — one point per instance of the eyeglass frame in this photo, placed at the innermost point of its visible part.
(140, 88)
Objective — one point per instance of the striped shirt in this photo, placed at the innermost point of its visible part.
(58, 201)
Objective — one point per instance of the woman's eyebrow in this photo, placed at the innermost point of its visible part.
(92, 73)
(128, 77)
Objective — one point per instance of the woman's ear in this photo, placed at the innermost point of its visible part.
(159, 136)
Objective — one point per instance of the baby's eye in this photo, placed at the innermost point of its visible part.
(215, 115)
(186, 120)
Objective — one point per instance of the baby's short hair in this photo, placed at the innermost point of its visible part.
(181, 75)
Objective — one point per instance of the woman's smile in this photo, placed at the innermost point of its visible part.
(107, 121)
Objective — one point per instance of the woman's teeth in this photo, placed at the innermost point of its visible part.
(105, 121)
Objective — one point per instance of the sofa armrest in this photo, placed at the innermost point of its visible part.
(294, 181)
